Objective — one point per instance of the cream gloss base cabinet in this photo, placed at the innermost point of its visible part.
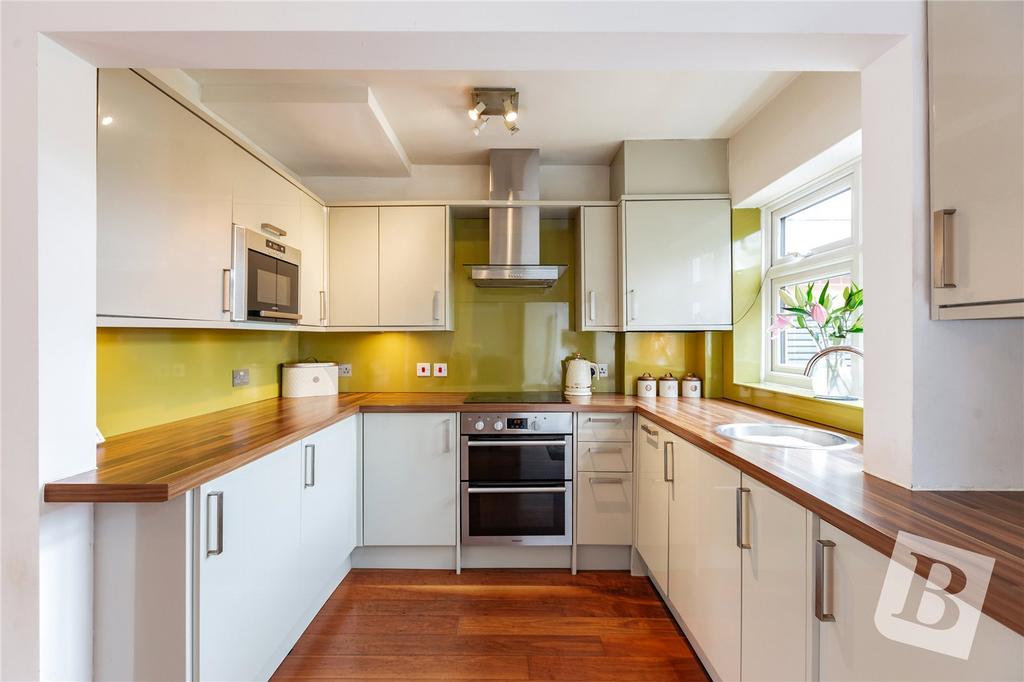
(604, 491)
(652, 501)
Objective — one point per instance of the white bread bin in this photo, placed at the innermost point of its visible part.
(304, 379)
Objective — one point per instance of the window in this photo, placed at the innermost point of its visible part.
(814, 238)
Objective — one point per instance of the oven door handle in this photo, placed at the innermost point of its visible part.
(521, 489)
(512, 443)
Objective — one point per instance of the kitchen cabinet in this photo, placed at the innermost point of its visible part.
(604, 508)
(353, 241)
(652, 501)
(261, 195)
(248, 576)
(410, 479)
(389, 267)
(597, 270)
(164, 193)
(976, 167)
(329, 503)
(775, 568)
(413, 266)
(677, 256)
(597, 427)
(312, 236)
(852, 648)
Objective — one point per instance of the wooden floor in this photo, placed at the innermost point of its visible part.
(492, 625)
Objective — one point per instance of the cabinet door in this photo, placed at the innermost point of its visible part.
(413, 266)
(976, 88)
(329, 486)
(717, 569)
(311, 239)
(249, 574)
(682, 524)
(678, 264)
(261, 196)
(775, 575)
(604, 508)
(852, 648)
(409, 479)
(652, 493)
(597, 296)
(352, 244)
(163, 197)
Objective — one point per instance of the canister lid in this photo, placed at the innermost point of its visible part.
(291, 365)
(668, 377)
(646, 376)
(690, 376)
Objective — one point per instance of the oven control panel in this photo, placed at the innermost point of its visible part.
(517, 423)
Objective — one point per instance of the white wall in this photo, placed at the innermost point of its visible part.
(806, 130)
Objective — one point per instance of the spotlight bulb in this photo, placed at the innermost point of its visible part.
(481, 122)
(474, 113)
(511, 114)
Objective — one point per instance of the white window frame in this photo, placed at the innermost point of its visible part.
(827, 260)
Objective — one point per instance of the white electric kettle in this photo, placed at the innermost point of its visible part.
(579, 375)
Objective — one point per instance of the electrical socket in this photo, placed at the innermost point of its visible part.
(345, 369)
(239, 377)
(423, 369)
(440, 369)
(602, 370)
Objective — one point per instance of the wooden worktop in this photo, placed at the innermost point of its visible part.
(163, 462)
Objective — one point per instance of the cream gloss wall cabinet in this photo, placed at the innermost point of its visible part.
(410, 479)
(389, 267)
(976, 93)
(597, 277)
(219, 583)
(677, 264)
(164, 205)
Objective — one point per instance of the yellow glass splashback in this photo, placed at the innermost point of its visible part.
(146, 377)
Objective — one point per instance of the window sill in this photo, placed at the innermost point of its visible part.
(800, 393)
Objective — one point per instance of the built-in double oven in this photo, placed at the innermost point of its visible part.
(265, 276)
(516, 478)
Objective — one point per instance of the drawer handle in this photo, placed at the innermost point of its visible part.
(609, 450)
(605, 420)
(823, 560)
(219, 496)
(742, 511)
(596, 481)
(649, 432)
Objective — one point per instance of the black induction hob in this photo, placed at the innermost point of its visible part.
(535, 397)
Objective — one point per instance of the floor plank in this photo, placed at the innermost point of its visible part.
(492, 625)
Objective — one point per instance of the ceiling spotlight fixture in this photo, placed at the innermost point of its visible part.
(489, 102)
(474, 113)
(480, 123)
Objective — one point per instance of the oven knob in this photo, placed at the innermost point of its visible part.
(498, 425)
(479, 426)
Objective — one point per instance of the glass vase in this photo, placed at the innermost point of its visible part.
(838, 375)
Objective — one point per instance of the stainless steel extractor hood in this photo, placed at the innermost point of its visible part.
(515, 232)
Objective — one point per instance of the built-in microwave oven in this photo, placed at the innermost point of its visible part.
(264, 277)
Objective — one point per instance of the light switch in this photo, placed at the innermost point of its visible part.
(440, 369)
(423, 369)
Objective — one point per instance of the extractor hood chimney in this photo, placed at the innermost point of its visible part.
(515, 232)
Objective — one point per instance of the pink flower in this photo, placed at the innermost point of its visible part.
(818, 314)
(781, 322)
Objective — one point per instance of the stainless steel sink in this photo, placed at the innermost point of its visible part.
(786, 436)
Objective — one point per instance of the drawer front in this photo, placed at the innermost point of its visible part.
(605, 457)
(604, 509)
(615, 427)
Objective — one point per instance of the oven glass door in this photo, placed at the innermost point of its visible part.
(528, 515)
(517, 459)
(273, 287)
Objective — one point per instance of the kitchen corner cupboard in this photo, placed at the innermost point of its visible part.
(219, 583)
(676, 264)
(389, 267)
(976, 165)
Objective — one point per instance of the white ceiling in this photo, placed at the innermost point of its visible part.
(317, 123)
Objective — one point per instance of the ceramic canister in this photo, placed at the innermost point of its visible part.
(691, 386)
(646, 386)
(668, 386)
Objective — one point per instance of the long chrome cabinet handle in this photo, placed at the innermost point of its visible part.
(274, 229)
(323, 307)
(592, 305)
(437, 305)
(538, 489)
(595, 481)
(942, 249)
(605, 420)
(648, 431)
(742, 533)
(631, 304)
(512, 443)
(219, 496)
(226, 294)
(309, 477)
(823, 560)
(670, 461)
